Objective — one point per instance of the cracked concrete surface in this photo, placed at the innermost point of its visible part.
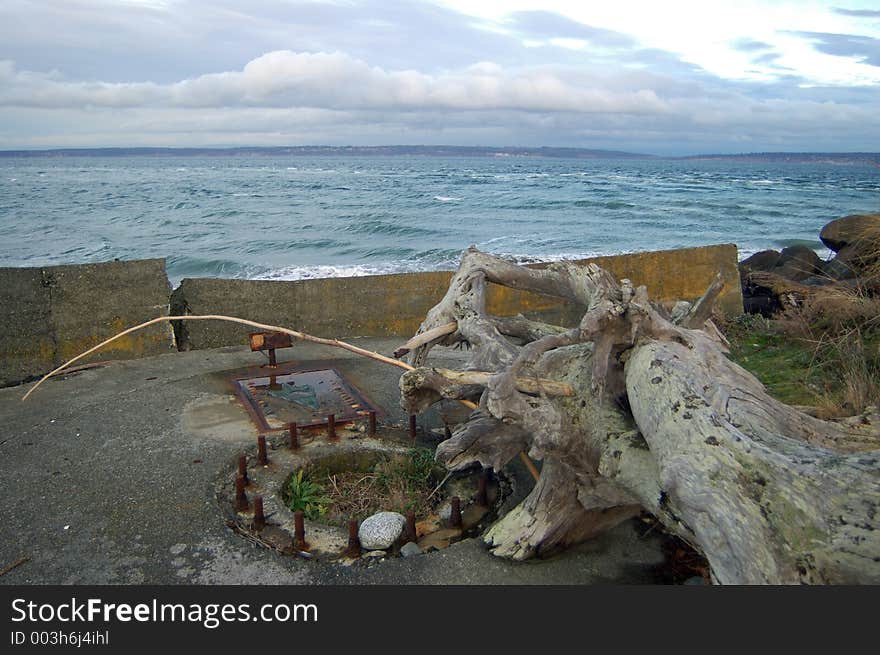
(109, 476)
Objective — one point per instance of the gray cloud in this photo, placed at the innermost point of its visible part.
(549, 25)
(862, 13)
(864, 48)
(749, 45)
(337, 81)
(222, 72)
(768, 59)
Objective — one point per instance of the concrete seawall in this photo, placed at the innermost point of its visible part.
(50, 314)
(389, 305)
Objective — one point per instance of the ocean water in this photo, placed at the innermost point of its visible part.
(263, 217)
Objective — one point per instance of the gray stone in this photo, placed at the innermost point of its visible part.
(765, 260)
(838, 268)
(381, 530)
(374, 554)
(798, 263)
(849, 230)
(409, 549)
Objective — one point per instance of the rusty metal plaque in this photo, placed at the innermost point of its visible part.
(269, 340)
(306, 398)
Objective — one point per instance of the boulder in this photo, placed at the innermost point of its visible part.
(849, 230)
(798, 263)
(381, 530)
(841, 266)
(766, 261)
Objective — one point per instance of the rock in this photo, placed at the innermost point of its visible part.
(766, 261)
(381, 530)
(374, 554)
(798, 263)
(839, 268)
(409, 549)
(849, 230)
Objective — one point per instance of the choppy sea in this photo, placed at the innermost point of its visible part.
(265, 217)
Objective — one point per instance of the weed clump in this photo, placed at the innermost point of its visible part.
(398, 483)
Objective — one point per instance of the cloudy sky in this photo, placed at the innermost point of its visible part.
(670, 77)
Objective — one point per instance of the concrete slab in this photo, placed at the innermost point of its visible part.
(109, 476)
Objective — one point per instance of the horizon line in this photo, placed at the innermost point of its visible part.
(488, 149)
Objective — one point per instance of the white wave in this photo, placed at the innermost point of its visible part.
(327, 270)
(744, 253)
(446, 199)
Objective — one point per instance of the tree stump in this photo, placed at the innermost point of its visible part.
(660, 420)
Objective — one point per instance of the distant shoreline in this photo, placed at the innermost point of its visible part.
(830, 158)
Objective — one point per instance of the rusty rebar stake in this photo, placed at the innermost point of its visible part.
(241, 501)
(410, 530)
(372, 429)
(259, 517)
(262, 455)
(354, 542)
(331, 426)
(482, 486)
(412, 427)
(455, 515)
(242, 468)
(299, 530)
(294, 436)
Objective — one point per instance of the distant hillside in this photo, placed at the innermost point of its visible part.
(338, 151)
(836, 158)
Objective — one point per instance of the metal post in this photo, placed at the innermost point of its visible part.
(455, 516)
(294, 436)
(242, 468)
(241, 501)
(412, 427)
(331, 426)
(299, 534)
(410, 532)
(262, 456)
(354, 542)
(372, 431)
(482, 496)
(259, 517)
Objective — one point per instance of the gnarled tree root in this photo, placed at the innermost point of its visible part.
(660, 420)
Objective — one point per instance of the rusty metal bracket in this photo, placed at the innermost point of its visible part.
(270, 341)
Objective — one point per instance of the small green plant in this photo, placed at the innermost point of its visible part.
(307, 496)
(406, 479)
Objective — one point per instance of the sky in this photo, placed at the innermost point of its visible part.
(670, 78)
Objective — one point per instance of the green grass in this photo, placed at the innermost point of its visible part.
(337, 491)
(784, 364)
(833, 371)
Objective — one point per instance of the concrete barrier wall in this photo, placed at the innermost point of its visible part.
(395, 305)
(50, 314)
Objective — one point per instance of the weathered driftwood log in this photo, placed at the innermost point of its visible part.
(661, 420)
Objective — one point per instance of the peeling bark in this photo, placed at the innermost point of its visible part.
(660, 420)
